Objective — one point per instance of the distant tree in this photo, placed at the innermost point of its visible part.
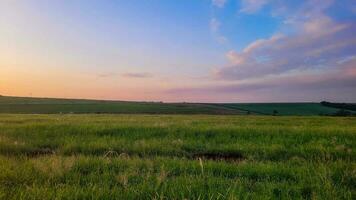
(248, 112)
(275, 112)
(324, 103)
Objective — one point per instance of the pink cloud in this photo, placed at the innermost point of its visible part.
(315, 60)
(333, 85)
(137, 75)
(319, 42)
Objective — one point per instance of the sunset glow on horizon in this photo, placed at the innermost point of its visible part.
(175, 51)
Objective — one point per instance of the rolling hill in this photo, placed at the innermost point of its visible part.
(29, 105)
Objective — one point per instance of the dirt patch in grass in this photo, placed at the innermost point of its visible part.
(223, 156)
(40, 152)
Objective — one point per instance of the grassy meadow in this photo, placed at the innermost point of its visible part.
(176, 157)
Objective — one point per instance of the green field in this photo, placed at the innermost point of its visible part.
(23, 105)
(176, 157)
(300, 109)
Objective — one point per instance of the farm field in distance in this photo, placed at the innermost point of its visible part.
(139, 156)
(284, 109)
(26, 105)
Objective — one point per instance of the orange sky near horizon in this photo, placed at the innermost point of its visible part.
(234, 51)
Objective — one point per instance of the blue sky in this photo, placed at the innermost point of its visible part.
(174, 50)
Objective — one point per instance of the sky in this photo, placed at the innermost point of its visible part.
(179, 50)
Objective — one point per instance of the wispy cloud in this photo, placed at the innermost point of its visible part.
(315, 59)
(219, 3)
(137, 75)
(319, 43)
(335, 85)
(222, 39)
(252, 6)
(107, 75)
(214, 25)
(126, 75)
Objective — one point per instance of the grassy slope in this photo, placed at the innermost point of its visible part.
(302, 109)
(50, 106)
(156, 156)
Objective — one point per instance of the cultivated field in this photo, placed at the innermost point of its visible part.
(284, 109)
(176, 157)
(23, 105)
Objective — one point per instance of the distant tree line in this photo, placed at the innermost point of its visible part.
(345, 108)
